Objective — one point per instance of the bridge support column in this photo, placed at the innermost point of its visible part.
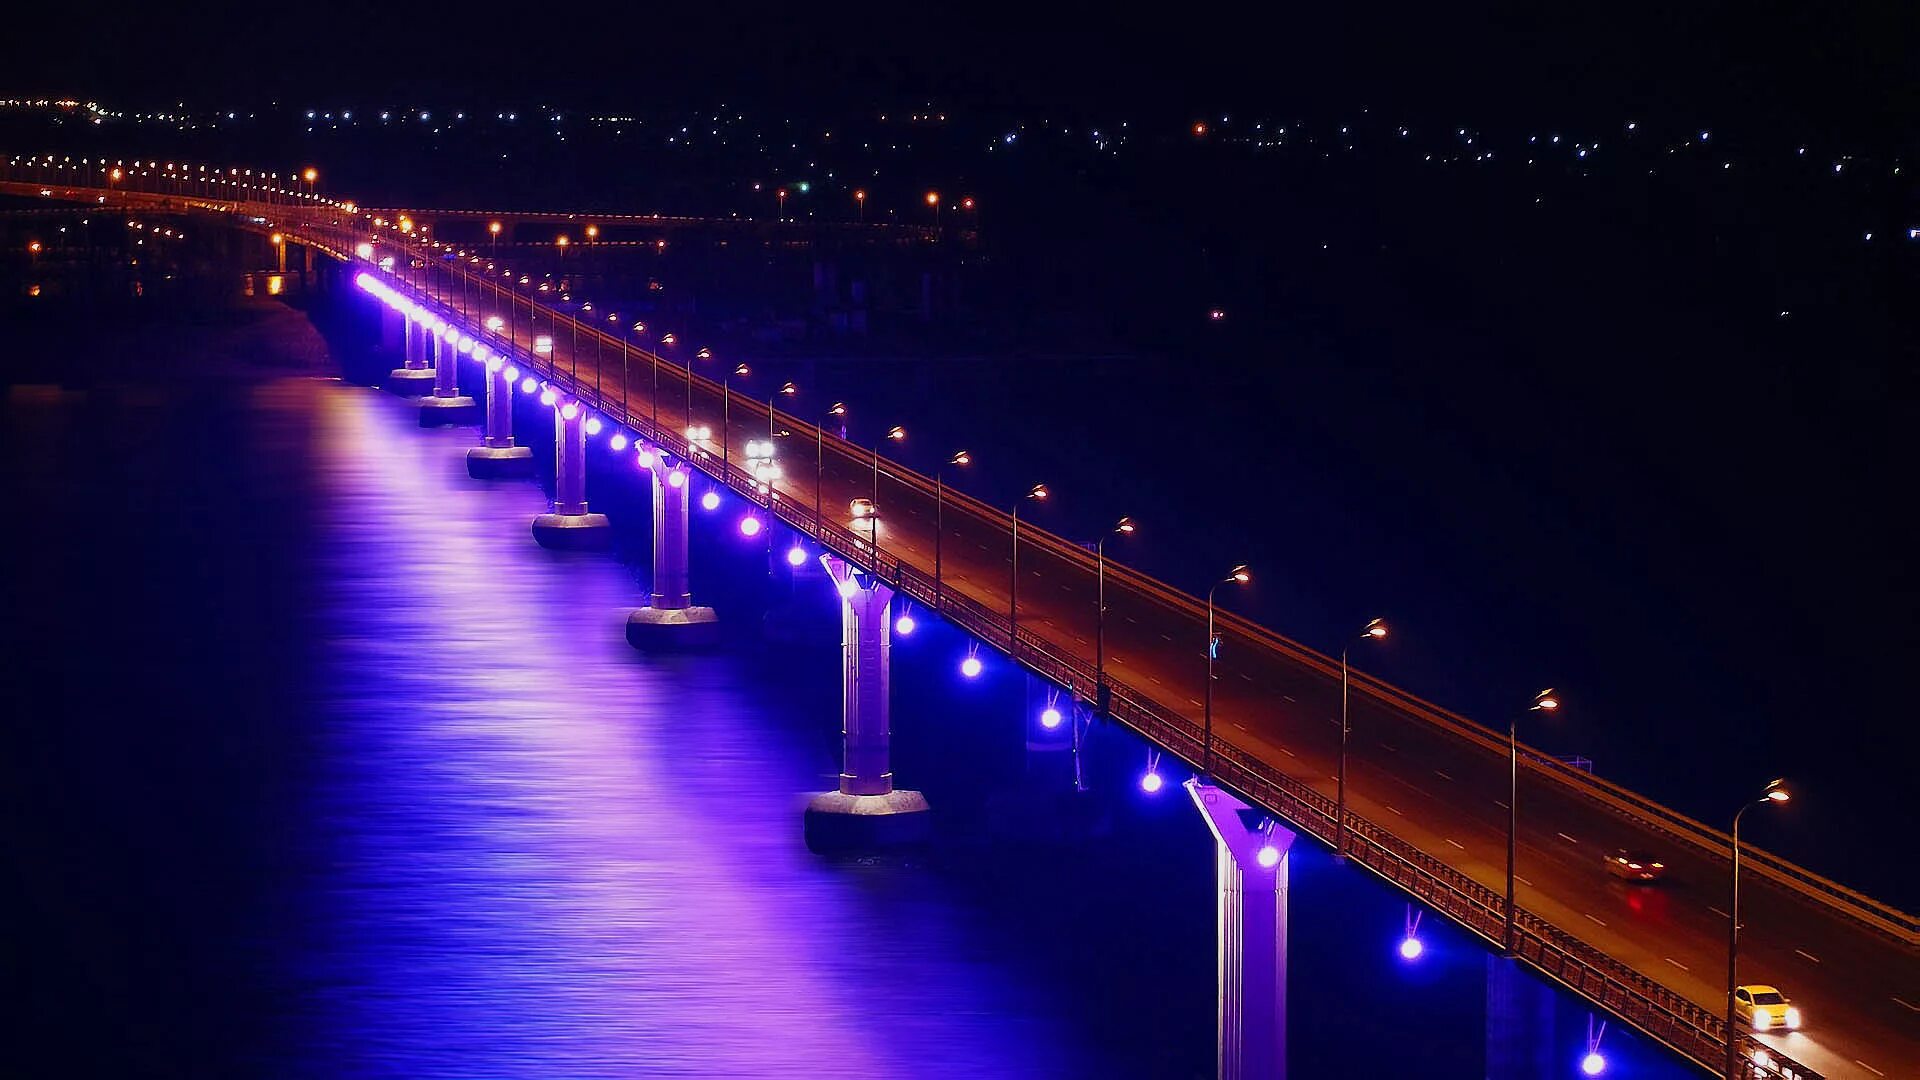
(569, 527)
(497, 457)
(1252, 911)
(868, 811)
(413, 377)
(670, 619)
(1520, 1022)
(446, 406)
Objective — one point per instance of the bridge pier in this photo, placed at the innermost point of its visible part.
(413, 377)
(670, 618)
(1252, 912)
(446, 406)
(868, 811)
(497, 457)
(569, 527)
(1520, 1022)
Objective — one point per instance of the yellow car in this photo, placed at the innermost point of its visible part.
(1765, 1009)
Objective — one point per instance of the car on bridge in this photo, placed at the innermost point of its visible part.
(1639, 867)
(865, 521)
(1765, 1008)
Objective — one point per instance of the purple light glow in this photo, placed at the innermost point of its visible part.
(513, 372)
(970, 667)
(646, 458)
(710, 501)
(618, 442)
(749, 526)
(797, 556)
(904, 626)
(1410, 949)
(593, 425)
(528, 386)
(569, 411)
(676, 478)
(1050, 718)
(547, 397)
(846, 588)
(1151, 783)
(1593, 1064)
(1268, 856)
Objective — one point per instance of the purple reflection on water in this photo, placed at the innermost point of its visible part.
(557, 857)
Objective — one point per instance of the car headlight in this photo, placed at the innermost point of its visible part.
(1762, 1019)
(1793, 1017)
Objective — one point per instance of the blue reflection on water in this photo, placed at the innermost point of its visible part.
(554, 855)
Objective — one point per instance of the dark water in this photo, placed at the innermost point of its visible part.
(318, 766)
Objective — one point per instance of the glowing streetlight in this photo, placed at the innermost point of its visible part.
(1375, 630)
(933, 200)
(1774, 792)
(860, 200)
(1544, 701)
(1239, 575)
(1101, 695)
(493, 232)
(962, 459)
(1037, 493)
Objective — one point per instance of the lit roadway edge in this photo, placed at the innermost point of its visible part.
(1417, 775)
(1432, 788)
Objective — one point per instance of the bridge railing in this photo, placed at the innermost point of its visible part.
(1675, 1020)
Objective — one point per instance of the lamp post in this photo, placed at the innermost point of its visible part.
(860, 200)
(787, 389)
(895, 433)
(493, 229)
(933, 200)
(726, 408)
(838, 410)
(1037, 493)
(1544, 701)
(962, 458)
(1124, 527)
(1373, 631)
(1774, 792)
(781, 214)
(1239, 575)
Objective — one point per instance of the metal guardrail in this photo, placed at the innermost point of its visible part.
(1683, 1025)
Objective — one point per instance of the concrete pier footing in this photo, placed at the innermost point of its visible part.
(498, 457)
(671, 620)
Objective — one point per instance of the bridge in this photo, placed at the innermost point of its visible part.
(1419, 796)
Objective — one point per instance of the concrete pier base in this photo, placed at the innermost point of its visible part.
(836, 822)
(500, 462)
(410, 382)
(437, 411)
(573, 532)
(665, 629)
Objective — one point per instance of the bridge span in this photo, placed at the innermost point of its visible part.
(1425, 802)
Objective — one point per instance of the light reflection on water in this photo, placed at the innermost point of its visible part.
(557, 857)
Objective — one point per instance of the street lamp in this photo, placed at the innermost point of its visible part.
(933, 200)
(1124, 527)
(781, 195)
(963, 459)
(860, 200)
(1373, 631)
(1774, 792)
(493, 230)
(310, 175)
(1544, 701)
(896, 433)
(1239, 575)
(1038, 493)
(726, 407)
(835, 411)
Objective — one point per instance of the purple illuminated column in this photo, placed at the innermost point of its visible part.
(446, 367)
(1251, 870)
(412, 378)
(570, 526)
(867, 811)
(866, 653)
(447, 406)
(570, 460)
(497, 456)
(671, 588)
(671, 621)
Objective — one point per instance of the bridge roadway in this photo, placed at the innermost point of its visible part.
(1426, 788)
